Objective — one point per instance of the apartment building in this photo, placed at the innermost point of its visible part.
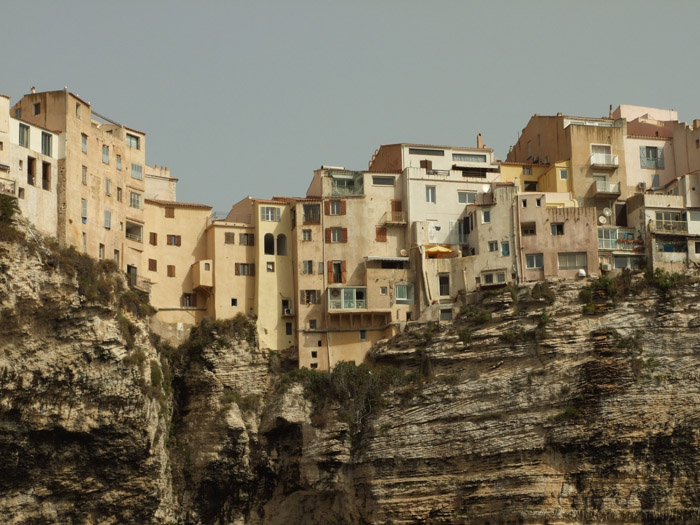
(99, 177)
(29, 157)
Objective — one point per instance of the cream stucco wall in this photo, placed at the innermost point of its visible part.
(636, 174)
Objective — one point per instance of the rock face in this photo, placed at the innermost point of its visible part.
(521, 411)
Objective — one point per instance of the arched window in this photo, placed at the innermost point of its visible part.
(281, 244)
(269, 244)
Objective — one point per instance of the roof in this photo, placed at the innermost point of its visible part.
(523, 164)
(396, 259)
(176, 204)
(410, 144)
(266, 201)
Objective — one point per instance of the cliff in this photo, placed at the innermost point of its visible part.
(537, 405)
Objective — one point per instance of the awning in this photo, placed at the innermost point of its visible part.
(435, 250)
(393, 259)
(4, 167)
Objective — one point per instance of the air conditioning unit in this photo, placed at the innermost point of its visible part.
(606, 267)
(642, 186)
(287, 311)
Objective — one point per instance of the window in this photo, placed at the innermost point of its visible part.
(119, 194)
(530, 185)
(189, 300)
(383, 290)
(444, 282)
(424, 151)
(269, 244)
(486, 216)
(83, 209)
(310, 296)
(564, 174)
(651, 157)
(119, 162)
(305, 235)
(528, 229)
(572, 261)
(336, 272)
(493, 246)
(468, 157)
(466, 197)
(379, 180)
(31, 171)
(697, 247)
(132, 141)
(247, 239)
(281, 244)
(18, 112)
(171, 270)
(37, 108)
(538, 202)
(169, 212)
(269, 213)
(83, 140)
(527, 171)
(116, 257)
(46, 176)
(84, 175)
(105, 154)
(136, 171)
(505, 248)
(380, 234)
(245, 269)
(320, 268)
(403, 293)
(430, 194)
(135, 200)
(46, 143)
(697, 143)
(153, 238)
(314, 365)
(108, 187)
(84, 242)
(174, 240)
(534, 261)
(363, 335)
(229, 238)
(152, 265)
(335, 208)
(101, 252)
(234, 301)
(446, 314)
(336, 234)
(312, 326)
(24, 135)
(288, 328)
(523, 203)
(307, 267)
(77, 110)
(270, 266)
(108, 219)
(20, 193)
(558, 228)
(207, 267)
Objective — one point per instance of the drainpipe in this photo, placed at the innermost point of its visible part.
(325, 273)
(516, 233)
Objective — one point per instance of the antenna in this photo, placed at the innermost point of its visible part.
(485, 188)
(607, 212)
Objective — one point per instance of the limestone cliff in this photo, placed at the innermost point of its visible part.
(533, 407)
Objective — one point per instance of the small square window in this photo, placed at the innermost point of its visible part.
(312, 324)
(229, 238)
(171, 270)
(314, 365)
(528, 229)
(445, 315)
(314, 354)
(270, 267)
(558, 229)
(305, 235)
(564, 174)
(234, 301)
(169, 212)
(382, 290)
(493, 246)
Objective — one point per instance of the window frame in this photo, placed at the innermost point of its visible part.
(536, 258)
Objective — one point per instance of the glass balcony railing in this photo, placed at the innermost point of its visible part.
(606, 187)
(604, 159)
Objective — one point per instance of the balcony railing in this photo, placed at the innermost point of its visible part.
(604, 159)
(339, 304)
(138, 237)
(312, 218)
(669, 226)
(607, 187)
(7, 186)
(394, 217)
(439, 173)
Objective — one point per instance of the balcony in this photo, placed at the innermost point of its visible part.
(347, 298)
(312, 218)
(671, 227)
(394, 217)
(605, 188)
(202, 275)
(7, 187)
(619, 240)
(604, 160)
(134, 232)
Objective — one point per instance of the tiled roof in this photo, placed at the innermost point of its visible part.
(176, 204)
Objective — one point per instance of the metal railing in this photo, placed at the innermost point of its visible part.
(670, 226)
(138, 237)
(607, 187)
(312, 218)
(398, 217)
(439, 173)
(604, 159)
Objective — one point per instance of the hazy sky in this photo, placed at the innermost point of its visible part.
(248, 98)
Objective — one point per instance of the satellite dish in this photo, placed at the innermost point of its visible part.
(607, 212)
(404, 253)
(602, 219)
(485, 188)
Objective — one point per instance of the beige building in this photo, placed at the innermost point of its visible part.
(176, 264)
(100, 178)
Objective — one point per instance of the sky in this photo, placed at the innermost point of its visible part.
(249, 98)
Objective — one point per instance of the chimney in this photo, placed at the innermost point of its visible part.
(479, 143)
(33, 90)
(696, 123)
(610, 113)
